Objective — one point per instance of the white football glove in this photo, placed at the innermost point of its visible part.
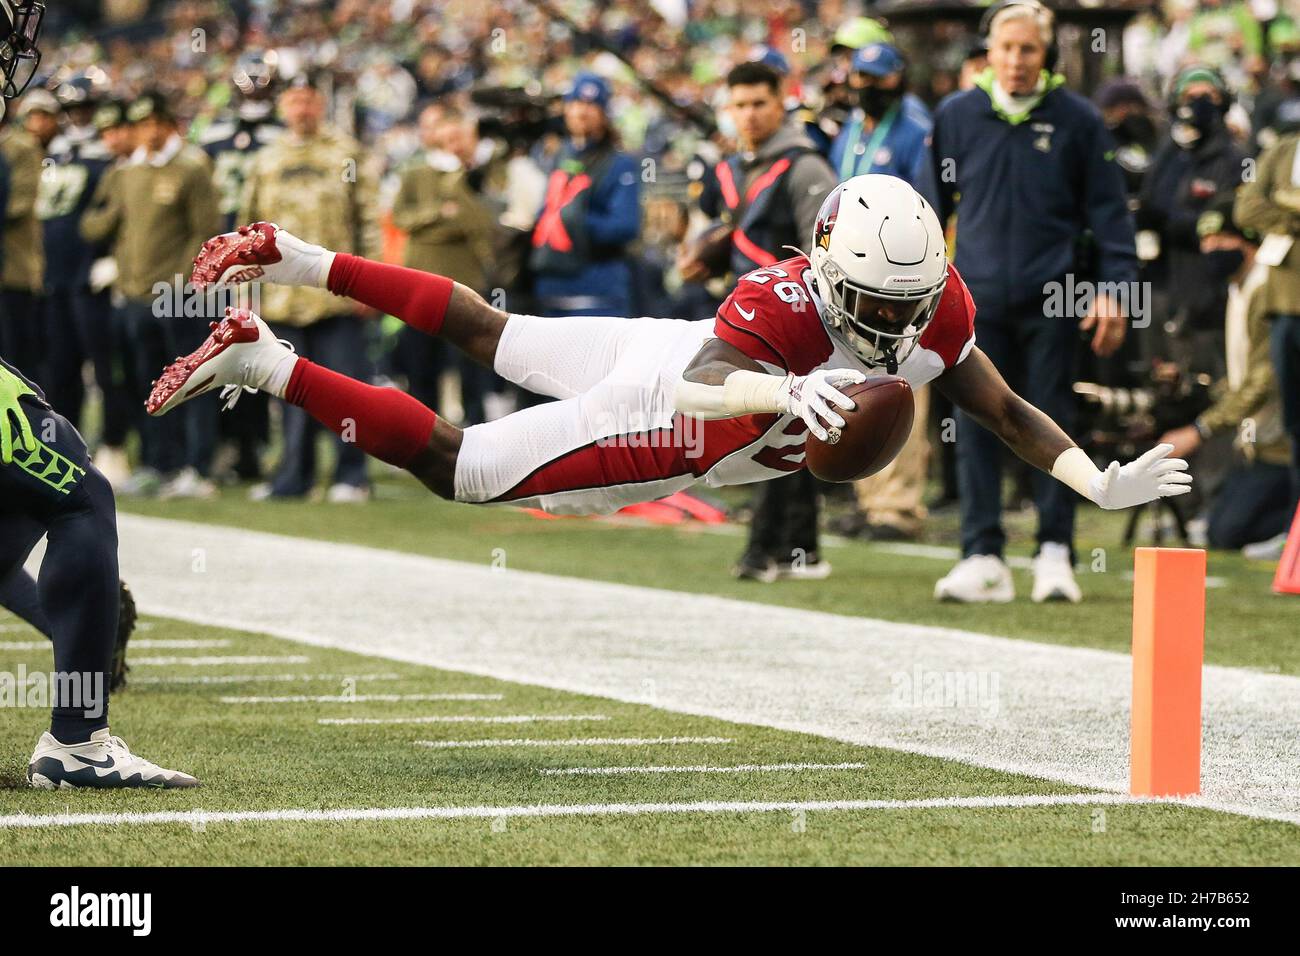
(1147, 478)
(807, 397)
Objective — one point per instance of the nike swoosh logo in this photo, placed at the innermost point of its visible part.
(106, 764)
(746, 314)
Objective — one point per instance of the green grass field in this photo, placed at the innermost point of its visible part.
(276, 756)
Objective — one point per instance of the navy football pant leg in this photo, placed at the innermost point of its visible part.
(80, 594)
(56, 489)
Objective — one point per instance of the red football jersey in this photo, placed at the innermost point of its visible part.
(772, 316)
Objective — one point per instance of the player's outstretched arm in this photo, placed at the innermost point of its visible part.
(977, 388)
(724, 382)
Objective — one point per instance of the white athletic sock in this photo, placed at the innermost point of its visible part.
(277, 382)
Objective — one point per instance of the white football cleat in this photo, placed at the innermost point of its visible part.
(242, 353)
(103, 762)
(261, 250)
(979, 579)
(1054, 575)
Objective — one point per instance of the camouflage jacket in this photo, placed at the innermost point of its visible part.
(321, 189)
(24, 257)
(155, 213)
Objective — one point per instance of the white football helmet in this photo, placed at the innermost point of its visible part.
(880, 264)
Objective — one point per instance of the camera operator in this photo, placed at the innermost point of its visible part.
(1270, 204)
(1251, 505)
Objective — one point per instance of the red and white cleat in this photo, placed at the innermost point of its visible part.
(261, 250)
(241, 354)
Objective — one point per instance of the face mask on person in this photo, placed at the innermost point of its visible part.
(1195, 120)
(1136, 128)
(876, 102)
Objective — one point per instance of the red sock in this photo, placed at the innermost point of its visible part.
(417, 298)
(385, 423)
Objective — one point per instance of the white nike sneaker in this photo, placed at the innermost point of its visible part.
(188, 483)
(103, 762)
(341, 494)
(979, 579)
(261, 250)
(1054, 575)
(241, 354)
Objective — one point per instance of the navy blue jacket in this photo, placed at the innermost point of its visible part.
(68, 182)
(613, 220)
(1025, 190)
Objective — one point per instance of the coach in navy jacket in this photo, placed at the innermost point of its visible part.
(1029, 169)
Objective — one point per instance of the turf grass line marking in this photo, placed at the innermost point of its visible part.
(355, 699)
(259, 678)
(219, 660)
(465, 719)
(140, 643)
(573, 742)
(203, 817)
(739, 768)
(1068, 723)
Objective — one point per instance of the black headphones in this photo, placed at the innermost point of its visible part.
(986, 25)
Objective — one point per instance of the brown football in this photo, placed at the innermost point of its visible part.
(712, 248)
(873, 433)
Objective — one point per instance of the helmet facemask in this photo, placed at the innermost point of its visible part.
(20, 29)
(881, 328)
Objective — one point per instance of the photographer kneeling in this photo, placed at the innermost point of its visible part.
(1252, 503)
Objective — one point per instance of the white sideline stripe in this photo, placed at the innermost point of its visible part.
(138, 644)
(204, 817)
(178, 644)
(572, 742)
(263, 678)
(356, 699)
(218, 660)
(466, 719)
(1062, 712)
(738, 768)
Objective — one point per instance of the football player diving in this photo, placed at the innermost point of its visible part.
(49, 488)
(647, 407)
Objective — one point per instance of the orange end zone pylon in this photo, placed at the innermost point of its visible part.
(1287, 578)
(1168, 650)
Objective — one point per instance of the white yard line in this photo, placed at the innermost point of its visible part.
(1049, 711)
(139, 644)
(465, 719)
(738, 768)
(356, 699)
(261, 678)
(198, 818)
(177, 644)
(571, 742)
(217, 660)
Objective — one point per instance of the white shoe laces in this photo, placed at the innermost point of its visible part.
(229, 394)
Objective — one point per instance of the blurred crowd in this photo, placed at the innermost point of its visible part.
(631, 158)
